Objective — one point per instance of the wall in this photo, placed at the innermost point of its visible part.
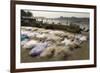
(5, 36)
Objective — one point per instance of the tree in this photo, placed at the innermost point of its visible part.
(26, 19)
(27, 14)
(23, 13)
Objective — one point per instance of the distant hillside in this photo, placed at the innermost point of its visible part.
(74, 19)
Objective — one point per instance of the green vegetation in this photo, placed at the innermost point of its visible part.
(28, 14)
(71, 28)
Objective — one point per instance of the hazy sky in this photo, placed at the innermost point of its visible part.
(55, 14)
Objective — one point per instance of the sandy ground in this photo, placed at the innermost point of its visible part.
(81, 53)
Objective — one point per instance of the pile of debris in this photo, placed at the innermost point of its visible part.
(50, 43)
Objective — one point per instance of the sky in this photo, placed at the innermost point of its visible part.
(56, 14)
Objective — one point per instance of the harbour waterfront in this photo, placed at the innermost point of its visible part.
(54, 36)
